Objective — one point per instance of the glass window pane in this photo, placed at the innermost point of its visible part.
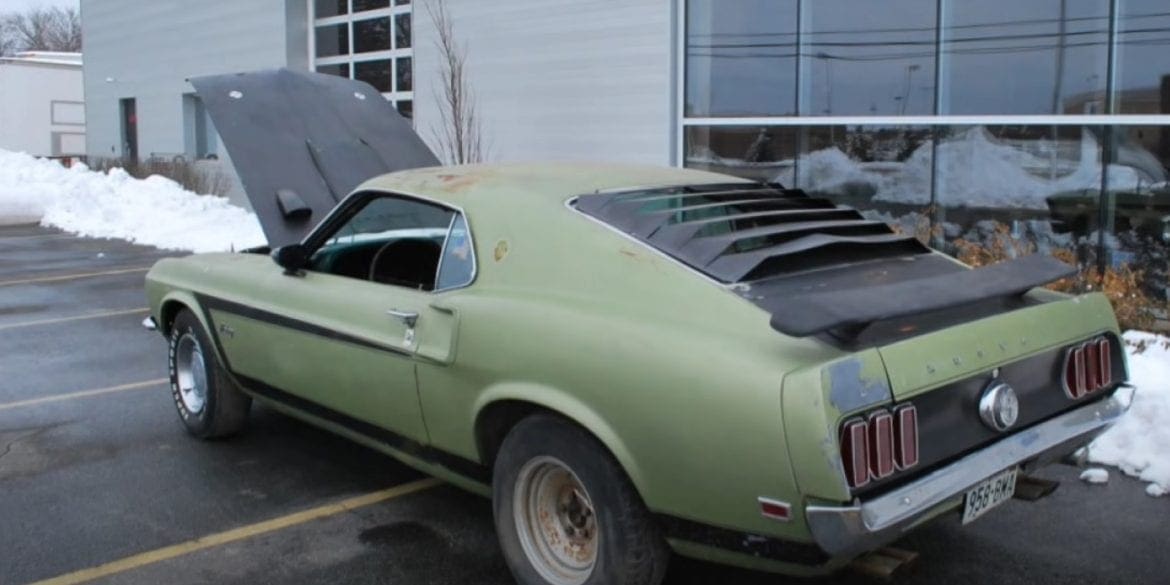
(327, 8)
(759, 153)
(375, 73)
(401, 2)
(406, 108)
(458, 265)
(340, 69)
(869, 58)
(371, 35)
(333, 40)
(1138, 204)
(883, 171)
(1013, 57)
(363, 5)
(403, 74)
(402, 31)
(741, 57)
(1143, 57)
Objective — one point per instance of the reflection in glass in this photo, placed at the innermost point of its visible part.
(1015, 57)
(371, 35)
(363, 5)
(741, 57)
(762, 154)
(375, 73)
(402, 31)
(406, 108)
(1143, 58)
(327, 8)
(402, 74)
(868, 58)
(332, 40)
(340, 69)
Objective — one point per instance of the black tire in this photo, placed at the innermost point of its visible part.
(224, 409)
(630, 549)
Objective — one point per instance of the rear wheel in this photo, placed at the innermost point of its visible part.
(209, 403)
(566, 514)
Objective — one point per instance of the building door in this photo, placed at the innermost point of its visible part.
(129, 108)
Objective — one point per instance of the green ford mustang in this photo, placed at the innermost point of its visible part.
(629, 361)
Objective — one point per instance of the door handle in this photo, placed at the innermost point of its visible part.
(409, 318)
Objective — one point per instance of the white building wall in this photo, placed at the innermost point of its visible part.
(560, 79)
(41, 111)
(147, 50)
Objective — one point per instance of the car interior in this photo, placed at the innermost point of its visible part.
(390, 241)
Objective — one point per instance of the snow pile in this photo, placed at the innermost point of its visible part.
(155, 211)
(1139, 444)
(1095, 475)
(975, 170)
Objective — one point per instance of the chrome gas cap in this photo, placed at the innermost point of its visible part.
(999, 407)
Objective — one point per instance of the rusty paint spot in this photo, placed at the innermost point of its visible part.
(501, 250)
(849, 391)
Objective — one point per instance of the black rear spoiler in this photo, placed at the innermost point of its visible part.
(810, 314)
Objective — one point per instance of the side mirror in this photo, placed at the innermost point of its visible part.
(292, 258)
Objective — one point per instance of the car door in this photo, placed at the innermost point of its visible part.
(340, 339)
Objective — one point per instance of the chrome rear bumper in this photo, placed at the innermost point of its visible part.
(851, 530)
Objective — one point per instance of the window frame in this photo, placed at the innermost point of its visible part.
(358, 200)
(350, 58)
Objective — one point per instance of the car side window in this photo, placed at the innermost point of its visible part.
(390, 240)
(457, 266)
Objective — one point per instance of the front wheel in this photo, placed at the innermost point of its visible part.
(566, 514)
(209, 403)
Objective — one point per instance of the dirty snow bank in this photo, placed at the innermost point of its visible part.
(155, 211)
(975, 170)
(1139, 444)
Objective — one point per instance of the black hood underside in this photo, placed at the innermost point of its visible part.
(301, 141)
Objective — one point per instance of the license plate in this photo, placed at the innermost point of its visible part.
(988, 494)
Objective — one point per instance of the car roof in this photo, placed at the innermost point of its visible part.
(501, 187)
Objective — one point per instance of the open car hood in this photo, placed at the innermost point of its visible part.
(301, 141)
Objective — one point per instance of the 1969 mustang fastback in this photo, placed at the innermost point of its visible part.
(627, 360)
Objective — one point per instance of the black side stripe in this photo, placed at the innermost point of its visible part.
(764, 547)
(672, 526)
(465, 467)
(213, 303)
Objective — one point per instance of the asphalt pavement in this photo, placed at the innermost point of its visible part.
(96, 471)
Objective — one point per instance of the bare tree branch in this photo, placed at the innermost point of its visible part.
(41, 29)
(459, 133)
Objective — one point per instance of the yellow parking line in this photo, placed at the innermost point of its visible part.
(74, 318)
(73, 276)
(85, 393)
(178, 550)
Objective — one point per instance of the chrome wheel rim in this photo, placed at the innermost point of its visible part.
(191, 374)
(555, 521)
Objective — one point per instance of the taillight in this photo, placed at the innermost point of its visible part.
(879, 445)
(906, 436)
(855, 452)
(1088, 367)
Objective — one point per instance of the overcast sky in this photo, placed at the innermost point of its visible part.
(22, 5)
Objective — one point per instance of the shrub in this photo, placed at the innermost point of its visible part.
(190, 175)
(1135, 307)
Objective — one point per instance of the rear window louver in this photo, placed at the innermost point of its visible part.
(745, 232)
